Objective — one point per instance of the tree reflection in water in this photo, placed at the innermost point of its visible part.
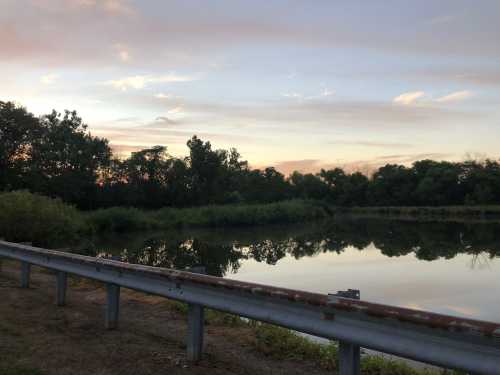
(221, 251)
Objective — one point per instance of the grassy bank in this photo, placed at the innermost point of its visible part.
(442, 212)
(26, 217)
(120, 219)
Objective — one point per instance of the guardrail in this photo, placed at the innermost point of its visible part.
(440, 340)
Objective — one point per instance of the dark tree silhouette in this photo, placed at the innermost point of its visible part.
(56, 155)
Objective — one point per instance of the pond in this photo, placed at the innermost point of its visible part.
(445, 267)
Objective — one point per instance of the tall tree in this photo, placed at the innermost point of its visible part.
(66, 160)
(18, 129)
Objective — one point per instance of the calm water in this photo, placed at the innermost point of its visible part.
(451, 268)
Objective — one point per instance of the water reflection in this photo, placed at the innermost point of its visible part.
(223, 251)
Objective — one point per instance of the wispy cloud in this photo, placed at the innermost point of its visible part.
(161, 95)
(372, 144)
(109, 6)
(367, 167)
(294, 95)
(141, 81)
(48, 79)
(409, 98)
(455, 96)
(175, 110)
(323, 94)
(122, 52)
(441, 20)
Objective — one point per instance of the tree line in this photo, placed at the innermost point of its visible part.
(56, 155)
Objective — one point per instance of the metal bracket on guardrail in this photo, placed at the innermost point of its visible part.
(349, 293)
(349, 353)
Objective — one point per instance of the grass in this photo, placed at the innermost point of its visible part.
(19, 371)
(426, 211)
(27, 217)
(280, 343)
(43, 221)
(120, 219)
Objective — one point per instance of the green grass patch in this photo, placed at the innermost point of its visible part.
(281, 343)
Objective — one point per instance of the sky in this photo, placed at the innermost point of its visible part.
(295, 84)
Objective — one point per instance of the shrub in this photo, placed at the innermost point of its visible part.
(119, 219)
(27, 217)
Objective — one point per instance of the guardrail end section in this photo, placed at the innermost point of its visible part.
(112, 306)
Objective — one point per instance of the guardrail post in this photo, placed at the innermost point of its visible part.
(112, 306)
(25, 274)
(349, 358)
(349, 353)
(61, 284)
(196, 322)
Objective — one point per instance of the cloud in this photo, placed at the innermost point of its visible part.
(409, 98)
(163, 120)
(367, 167)
(123, 151)
(327, 92)
(109, 6)
(334, 114)
(122, 52)
(161, 95)
(175, 110)
(455, 96)
(412, 98)
(141, 81)
(323, 94)
(117, 7)
(372, 144)
(294, 95)
(48, 79)
(442, 20)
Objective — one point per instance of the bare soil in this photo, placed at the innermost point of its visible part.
(35, 333)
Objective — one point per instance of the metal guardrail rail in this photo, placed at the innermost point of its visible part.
(436, 339)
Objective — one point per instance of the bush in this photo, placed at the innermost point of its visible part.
(241, 214)
(119, 219)
(27, 217)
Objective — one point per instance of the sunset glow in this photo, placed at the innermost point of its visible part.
(295, 84)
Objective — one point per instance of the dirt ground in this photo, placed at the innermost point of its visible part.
(35, 333)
